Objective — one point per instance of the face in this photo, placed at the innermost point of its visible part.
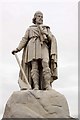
(39, 18)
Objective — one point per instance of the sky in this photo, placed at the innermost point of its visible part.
(62, 17)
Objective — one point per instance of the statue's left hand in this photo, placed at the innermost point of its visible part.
(53, 56)
(53, 61)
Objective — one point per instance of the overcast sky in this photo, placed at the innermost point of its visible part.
(62, 17)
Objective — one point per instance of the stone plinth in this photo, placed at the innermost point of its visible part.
(36, 104)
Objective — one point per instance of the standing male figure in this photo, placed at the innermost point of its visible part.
(39, 59)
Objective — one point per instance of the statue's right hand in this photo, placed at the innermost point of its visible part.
(15, 51)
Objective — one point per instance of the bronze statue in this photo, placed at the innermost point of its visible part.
(39, 59)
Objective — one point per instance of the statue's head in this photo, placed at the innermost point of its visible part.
(38, 18)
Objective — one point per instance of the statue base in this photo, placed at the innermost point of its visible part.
(36, 104)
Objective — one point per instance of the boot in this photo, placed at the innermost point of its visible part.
(36, 86)
(47, 77)
(35, 77)
(47, 85)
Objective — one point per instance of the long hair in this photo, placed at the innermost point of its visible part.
(34, 20)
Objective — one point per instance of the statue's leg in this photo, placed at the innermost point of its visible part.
(35, 74)
(46, 75)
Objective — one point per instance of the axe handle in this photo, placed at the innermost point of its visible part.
(29, 86)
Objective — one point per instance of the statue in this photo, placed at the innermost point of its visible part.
(39, 59)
